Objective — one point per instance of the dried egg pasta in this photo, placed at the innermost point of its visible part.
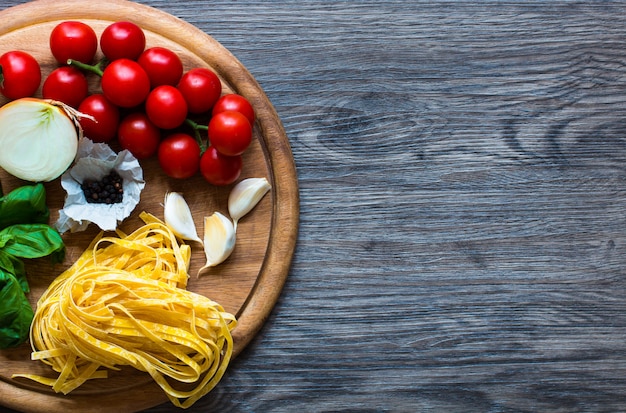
(124, 302)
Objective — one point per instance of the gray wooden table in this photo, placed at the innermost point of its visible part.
(462, 171)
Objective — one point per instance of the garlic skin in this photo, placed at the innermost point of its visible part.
(245, 196)
(178, 217)
(219, 239)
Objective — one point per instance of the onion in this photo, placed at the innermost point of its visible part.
(39, 138)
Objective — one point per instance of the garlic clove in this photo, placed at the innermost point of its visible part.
(245, 196)
(219, 239)
(178, 217)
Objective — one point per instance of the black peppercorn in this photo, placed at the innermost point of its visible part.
(108, 190)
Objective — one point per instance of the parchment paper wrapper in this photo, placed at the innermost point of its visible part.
(94, 161)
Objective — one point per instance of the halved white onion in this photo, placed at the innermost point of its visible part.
(39, 139)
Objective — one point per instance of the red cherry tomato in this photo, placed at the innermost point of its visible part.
(219, 169)
(236, 103)
(106, 115)
(230, 132)
(166, 107)
(179, 156)
(125, 83)
(201, 89)
(162, 65)
(66, 84)
(20, 75)
(73, 40)
(122, 40)
(138, 135)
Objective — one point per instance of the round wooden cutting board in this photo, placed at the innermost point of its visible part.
(247, 284)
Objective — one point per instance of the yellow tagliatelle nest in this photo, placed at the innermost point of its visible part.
(122, 303)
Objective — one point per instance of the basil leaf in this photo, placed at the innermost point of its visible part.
(14, 266)
(16, 313)
(24, 205)
(32, 241)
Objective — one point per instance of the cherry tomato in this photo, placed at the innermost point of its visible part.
(122, 40)
(73, 40)
(20, 75)
(201, 89)
(166, 107)
(179, 156)
(138, 135)
(106, 115)
(66, 84)
(230, 132)
(219, 169)
(162, 65)
(236, 103)
(125, 83)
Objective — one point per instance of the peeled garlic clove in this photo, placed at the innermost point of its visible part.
(219, 239)
(245, 196)
(178, 217)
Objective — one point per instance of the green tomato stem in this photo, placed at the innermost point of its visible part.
(196, 132)
(196, 125)
(97, 68)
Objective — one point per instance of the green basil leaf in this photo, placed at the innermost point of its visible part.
(15, 266)
(24, 205)
(32, 241)
(16, 313)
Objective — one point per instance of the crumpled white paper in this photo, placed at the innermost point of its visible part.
(94, 161)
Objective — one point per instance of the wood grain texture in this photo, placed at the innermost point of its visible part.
(461, 171)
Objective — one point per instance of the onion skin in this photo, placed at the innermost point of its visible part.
(39, 138)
